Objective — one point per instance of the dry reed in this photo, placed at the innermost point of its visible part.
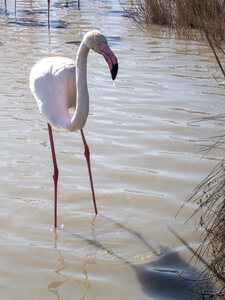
(181, 15)
(209, 196)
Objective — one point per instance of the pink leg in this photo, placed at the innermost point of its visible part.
(55, 174)
(48, 14)
(87, 155)
(15, 8)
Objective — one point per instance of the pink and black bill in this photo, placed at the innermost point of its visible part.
(110, 59)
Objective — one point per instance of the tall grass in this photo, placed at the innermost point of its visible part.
(181, 15)
(209, 196)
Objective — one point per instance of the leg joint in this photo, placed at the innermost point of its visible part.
(55, 174)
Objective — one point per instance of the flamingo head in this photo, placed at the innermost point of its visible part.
(96, 41)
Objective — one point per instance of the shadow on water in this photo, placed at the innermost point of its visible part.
(112, 40)
(29, 12)
(114, 13)
(34, 11)
(67, 4)
(74, 42)
(30, 22)
(168, 277)
(4, 12)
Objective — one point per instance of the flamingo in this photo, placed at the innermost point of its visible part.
(59, 83)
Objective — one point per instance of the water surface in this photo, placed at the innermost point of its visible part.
(144, 153)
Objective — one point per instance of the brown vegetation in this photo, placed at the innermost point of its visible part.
(182, 15)
(209, 196)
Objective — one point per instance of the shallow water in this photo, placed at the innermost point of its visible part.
(144, 152)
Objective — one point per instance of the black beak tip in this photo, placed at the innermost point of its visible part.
(114, 71)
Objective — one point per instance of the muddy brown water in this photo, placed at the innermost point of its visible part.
(145, 157)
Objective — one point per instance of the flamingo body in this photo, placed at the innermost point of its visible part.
(53, 84)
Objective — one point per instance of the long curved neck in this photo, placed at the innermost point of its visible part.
(82, 104)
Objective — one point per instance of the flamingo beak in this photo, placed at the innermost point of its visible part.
(110, 58)
(114, 71)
